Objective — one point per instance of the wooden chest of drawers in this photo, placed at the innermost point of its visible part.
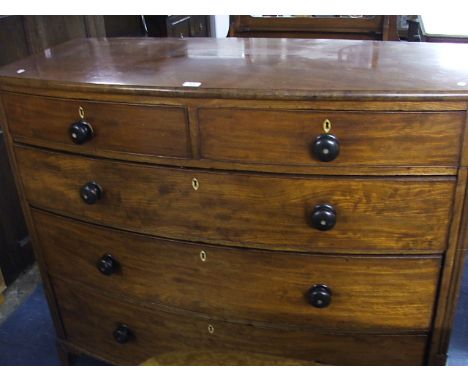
(303, 199)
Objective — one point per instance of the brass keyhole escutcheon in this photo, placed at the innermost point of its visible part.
(203, 256)
(81, 112)
(210, 329)
(195, 184)
(327, 126)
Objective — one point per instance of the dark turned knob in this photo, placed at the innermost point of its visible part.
(323, 217)
(122, 334)
(81, 132)
(107, 265)
(326, 147)
(91, 192)
(320, 296)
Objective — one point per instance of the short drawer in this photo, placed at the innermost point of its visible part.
(93, 322)
(340, 292)
(125, 128)
(364, 138)
(407, 214)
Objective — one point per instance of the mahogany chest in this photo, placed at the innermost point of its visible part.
(293, 198)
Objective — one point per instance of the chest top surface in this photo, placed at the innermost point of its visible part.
(249, 68)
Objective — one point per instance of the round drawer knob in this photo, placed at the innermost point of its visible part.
(91, 192)
(107, 265)
(320, 296)
(326, 147)
(81, 132)
(323, 217)
(122, 334)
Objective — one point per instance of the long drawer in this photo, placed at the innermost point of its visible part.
(126, 128)
(364, 138)
(372, 214)
(93, 322)
(381, 293)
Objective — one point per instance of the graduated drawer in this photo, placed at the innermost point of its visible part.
(261, 211)
(126, 128)
(91, 321)
(394, 293)
(365, 138)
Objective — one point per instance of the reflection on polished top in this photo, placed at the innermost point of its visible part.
(250, 68)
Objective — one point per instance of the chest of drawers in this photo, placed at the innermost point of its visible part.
(303, 199)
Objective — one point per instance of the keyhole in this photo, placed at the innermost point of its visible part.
(210, 329)
(203, 256)
(195, 184)
(81, 112)
(327, 125)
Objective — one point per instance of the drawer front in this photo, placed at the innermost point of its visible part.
(365, 138)
(374, 214)
(395, 293)
(90, 321)
(133, 129)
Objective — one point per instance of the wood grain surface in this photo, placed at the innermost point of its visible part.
(148, 142)
(393, 260)
(208, 358)
(157, 332)
(368, 292)
(396, 214)
(145, 130)
(286, 137)
(249, 68)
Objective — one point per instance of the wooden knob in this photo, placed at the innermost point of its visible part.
(122, 334)
(107, 265)
(323, 217)
(91, 192)
(320, 296)
(326, 147)
(81, 132)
